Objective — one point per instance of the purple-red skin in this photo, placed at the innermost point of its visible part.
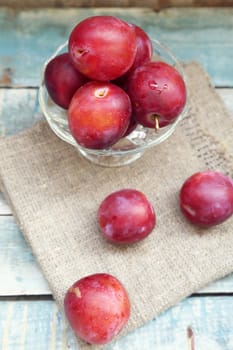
(126, 216)
(206, 198)
(143, 54)
(103, 47)
(97, 308)
(99, 114)
(132, 126)
(156, 89)
(144, 48)
(62, 80)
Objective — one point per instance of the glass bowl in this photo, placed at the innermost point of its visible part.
(127, 149)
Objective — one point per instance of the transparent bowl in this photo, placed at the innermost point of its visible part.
(127, 149)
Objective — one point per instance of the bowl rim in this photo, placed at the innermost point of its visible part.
(109, 151)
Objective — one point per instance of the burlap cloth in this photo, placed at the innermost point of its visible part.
(54, 194)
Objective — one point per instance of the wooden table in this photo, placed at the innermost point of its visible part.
(29, 318)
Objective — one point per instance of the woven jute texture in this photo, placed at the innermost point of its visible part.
(55, 193)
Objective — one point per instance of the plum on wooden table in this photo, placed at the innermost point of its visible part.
(97, 307)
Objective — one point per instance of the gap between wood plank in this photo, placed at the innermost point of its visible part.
(18, 87)
(45, 297)
(192, 33)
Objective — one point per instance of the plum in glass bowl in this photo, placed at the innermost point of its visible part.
(131, 146)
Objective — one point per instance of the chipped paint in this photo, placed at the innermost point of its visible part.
(6, 78)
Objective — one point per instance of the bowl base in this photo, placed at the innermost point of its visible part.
(111, 160)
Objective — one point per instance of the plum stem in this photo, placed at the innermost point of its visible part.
(101, 92)
(156, 119)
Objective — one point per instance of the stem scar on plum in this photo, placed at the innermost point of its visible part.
(76, 291)
(81, 52)
(100, 93)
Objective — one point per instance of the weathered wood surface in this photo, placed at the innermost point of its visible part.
(4, 207)
(19, 271)
(29, 37)
(19, 109)
(155, 4)
(39, 325)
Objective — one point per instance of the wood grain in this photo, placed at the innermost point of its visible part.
(29, 37)
(19, 271)
(155, 4)
(19, 110)
(4, 207)
(39, 325)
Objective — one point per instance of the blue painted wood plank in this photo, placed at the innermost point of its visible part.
(210, 321)
(29, 37)
(4, 207)
(19, 271)
(224, 285)
(19, 109)
(39, 325)
(33, 325)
